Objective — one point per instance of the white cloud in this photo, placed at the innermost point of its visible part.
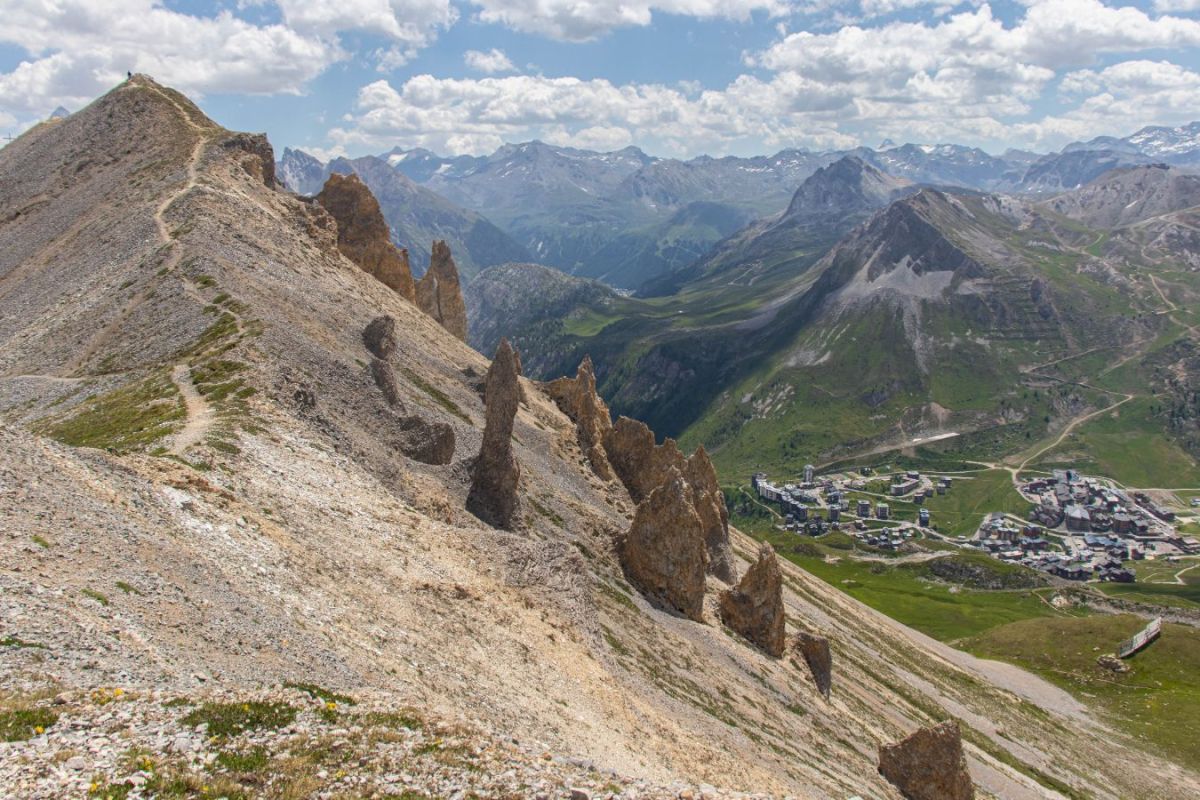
(478, 115)
(79, 49)
(413, 23)
(581, 20)
(490, 62)
(1178, 6)
(1120, 99)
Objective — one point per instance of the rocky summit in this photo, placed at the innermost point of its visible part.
(754, 608)
(928, 765)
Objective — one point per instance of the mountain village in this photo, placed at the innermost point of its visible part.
(1079, 528)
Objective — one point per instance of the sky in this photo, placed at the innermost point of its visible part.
(677, 78)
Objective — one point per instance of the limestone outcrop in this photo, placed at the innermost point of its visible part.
(261, 160)
(928, 765)
(439, 293)
(578, 399)
(380, 336)
(663, 554)
(815, 652)
(385, 379)
(710, 505)
(363, 235)
(754, 608)
(496, 475)
(642, 465)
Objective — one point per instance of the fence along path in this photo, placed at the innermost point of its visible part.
(1140, 639)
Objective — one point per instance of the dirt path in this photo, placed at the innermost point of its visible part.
(200, 414)
(1066, 431)
(1179, 575)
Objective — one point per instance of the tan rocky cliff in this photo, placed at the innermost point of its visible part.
(579, 400)
(439, 293)
(162, 297)
(754, 608)
(664, 553)
(643, 465)
(929, 764)
(363, 235)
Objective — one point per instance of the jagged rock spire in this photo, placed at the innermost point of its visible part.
(642, 465)
(496, 475)
(363, 234)
(439, 292)
(710, 505)
(754, 608)
(578, 399)
(663, 554)
(929, 765)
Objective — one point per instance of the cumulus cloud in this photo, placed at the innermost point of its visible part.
(79, 49)
(409, 25)
(490, 62)
(1120, 98)
(1177, 6)
(478, 115)
(967, 77)
(581, 20)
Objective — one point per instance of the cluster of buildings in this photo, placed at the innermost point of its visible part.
(1083, 528)
(1081, 505)
(813, 506)
(1100, 557)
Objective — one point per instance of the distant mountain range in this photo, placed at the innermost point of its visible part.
(627, 218)
(874, 308)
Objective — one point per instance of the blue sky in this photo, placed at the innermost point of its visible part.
(675, 77)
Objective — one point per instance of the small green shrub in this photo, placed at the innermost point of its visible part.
(99, 598)
(25, 723)
(230, 719)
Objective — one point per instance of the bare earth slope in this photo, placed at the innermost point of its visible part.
(292, 539)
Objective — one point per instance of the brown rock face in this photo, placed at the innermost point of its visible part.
(363, 235)
(577, 398)
(385, 379)
(640, 463)
(439, 293)
(929, 765)
(815, 652)
(380, 336)
(262, 162)
(663, 554)
(496, 474)
(710, 505)
(754, 608)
